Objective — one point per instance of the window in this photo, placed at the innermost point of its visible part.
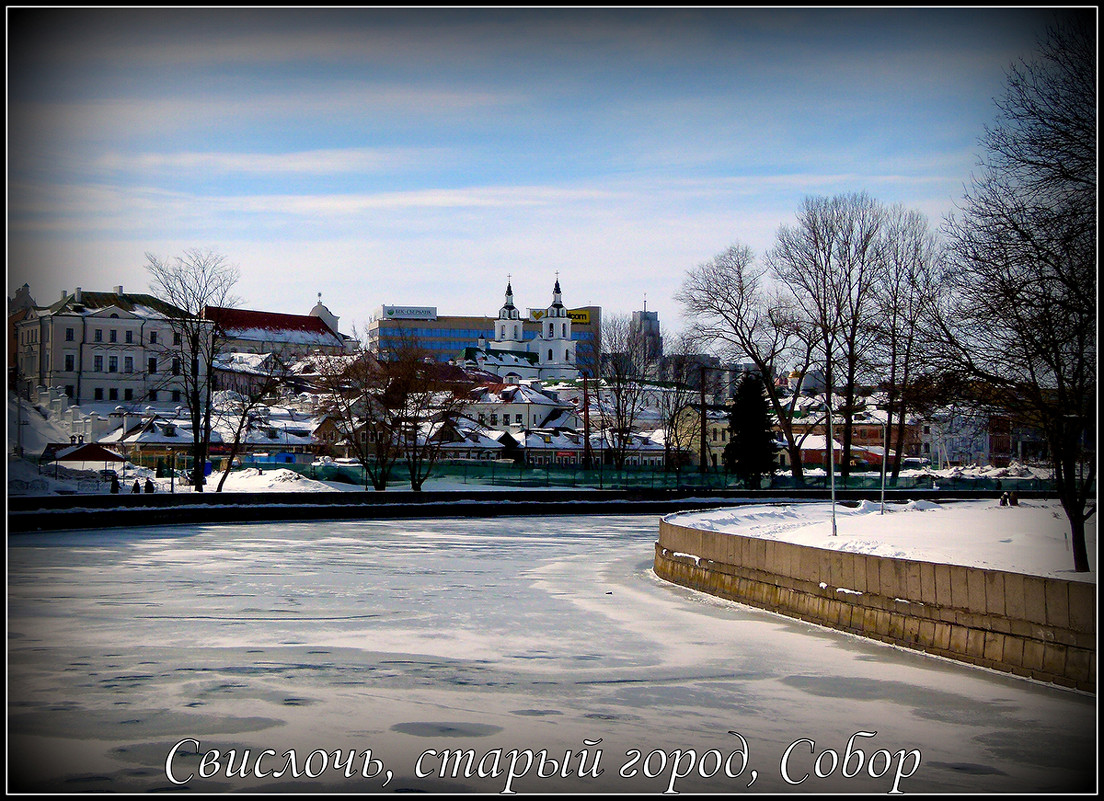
(517, 419)
(97, 364)
(69, 362)
(153, 395)
(128, 394)
(113, 364)
(494, 418)
(97, 393)
(128, 364)
(550, 354)
(153, 337)
(97, 335)
(176, 337)
(69, 390)
(153, 365)
(69, 334)
(176, 396)
(176, 366)
(113, 335)
(129, 337)
(113, 394)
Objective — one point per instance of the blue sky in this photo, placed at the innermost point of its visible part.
(418, 156)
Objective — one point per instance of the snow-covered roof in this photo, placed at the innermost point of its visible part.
(159, 431)
(238, 362)
(262, 326)
(81, 452)
(818, 442)
(140, 305)
(500, 358)
(513, 393)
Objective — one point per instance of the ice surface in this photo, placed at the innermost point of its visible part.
(407, 637)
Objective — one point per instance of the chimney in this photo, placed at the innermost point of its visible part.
(64, 294)
(77, 295)
(119, 290)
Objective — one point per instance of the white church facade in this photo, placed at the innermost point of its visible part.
(549, 356)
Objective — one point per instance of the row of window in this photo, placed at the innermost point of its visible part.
(113, 364)
(113, 336)
(518, 419)
(127, 394)
(29, 335)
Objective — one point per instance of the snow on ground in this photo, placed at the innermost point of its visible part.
(36, 431)
(1031, 538)
(26, 478)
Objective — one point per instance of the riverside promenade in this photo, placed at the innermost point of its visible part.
(59, 512)
(1037, 627)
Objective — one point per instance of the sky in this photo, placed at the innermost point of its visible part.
(423, 156)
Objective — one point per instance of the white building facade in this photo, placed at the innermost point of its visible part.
(550, 356)
(102, 347)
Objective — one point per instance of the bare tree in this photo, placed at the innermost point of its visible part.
(1021, 317)
(623, 361)
(676, 395)
(351, 387)
(831, 262)
(191, 282)
(426, 397)
(241, 400)
(732, 308)
(904, 301)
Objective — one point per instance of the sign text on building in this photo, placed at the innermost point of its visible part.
(408, 312)
(575, 315)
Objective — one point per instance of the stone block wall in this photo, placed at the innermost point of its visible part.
(1041, 628)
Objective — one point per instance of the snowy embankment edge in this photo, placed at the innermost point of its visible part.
(65, 512)
(1033, 627)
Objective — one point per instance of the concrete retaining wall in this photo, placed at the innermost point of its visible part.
(1042, 628)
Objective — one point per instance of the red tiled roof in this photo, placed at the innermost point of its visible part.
(231, 320)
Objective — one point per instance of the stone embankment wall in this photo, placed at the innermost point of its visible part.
(1042, 628)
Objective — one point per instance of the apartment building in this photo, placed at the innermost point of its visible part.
(102, 347)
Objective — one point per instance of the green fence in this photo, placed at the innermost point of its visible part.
(508, 474)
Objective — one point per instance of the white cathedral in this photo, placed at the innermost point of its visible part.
(548, 356)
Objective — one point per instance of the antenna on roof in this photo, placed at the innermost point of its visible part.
(645, 301)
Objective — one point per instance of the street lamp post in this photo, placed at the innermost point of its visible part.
(831, 458)
(885, 458)
(122, 438)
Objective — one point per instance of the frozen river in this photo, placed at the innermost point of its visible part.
(461, 651)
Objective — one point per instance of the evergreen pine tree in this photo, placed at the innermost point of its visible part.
(749, 454)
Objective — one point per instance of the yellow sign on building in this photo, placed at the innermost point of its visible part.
(575, 315)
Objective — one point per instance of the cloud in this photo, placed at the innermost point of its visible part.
(343, 161)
